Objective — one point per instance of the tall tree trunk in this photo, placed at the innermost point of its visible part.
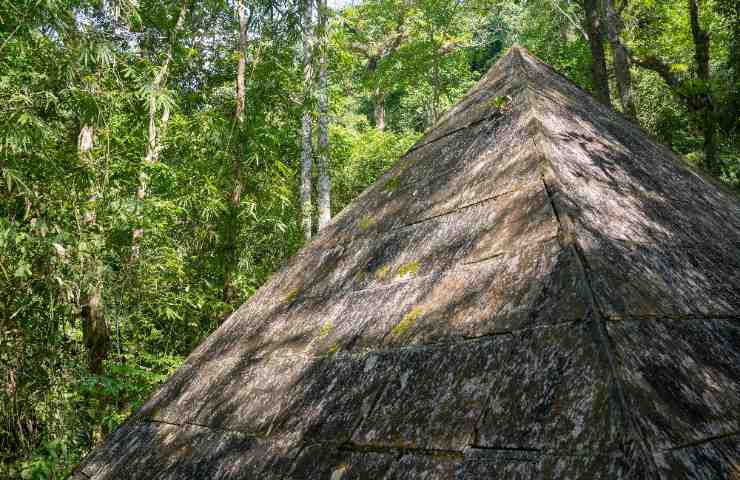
(705, 104)
(322, 160)
(435, 84)
(85, 142)
(374, 55)
(379, 109)
(306, 121)
(153, 145)
(595, 34)
(731, 110)
(232, 222)
(735, 63)
(621, 60)
(734, 109)
(94, 327)
(699, 100)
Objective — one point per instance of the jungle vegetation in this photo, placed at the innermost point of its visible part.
(160, 158)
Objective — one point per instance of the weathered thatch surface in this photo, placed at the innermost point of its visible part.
(533, 291)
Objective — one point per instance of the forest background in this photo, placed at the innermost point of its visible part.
(160, 158)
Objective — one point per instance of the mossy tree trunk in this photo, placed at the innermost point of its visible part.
(695, 93)
(307, 120)
(704, 104)
(324, 199)
(595, 35)
(232, 227)
(620, 58)
(95, 330)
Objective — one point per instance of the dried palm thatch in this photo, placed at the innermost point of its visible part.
(536, 290)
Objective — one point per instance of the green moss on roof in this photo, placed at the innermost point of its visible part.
(291, 295)
(382, 272)
(391, 185)
(325, 330)
(409, 268)
(499, 102)
(366, 222)
(333, 349)
(408, 321)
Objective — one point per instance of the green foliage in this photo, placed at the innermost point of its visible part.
(499, 103)
(543, 29)
(69, 64)
(365, 154)
(667, 120)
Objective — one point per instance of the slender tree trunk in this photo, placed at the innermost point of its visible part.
(705, 104)
(701, 41)
(378, 96)
(734, 109)
(379, 109)
(85, 142)
(595, 34)
(731, 112)
(306, 121)
(94, 327)
(232, 223)
(153, 146)
(621, 60)
(324, 200)
(735, 62)
(435, 90)
(697, 96)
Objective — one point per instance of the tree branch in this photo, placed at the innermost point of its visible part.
(12, 34)
(693, 101)
(363, 50)
(658, 66)
(572, 20)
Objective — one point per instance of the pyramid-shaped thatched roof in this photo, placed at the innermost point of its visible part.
(536, 290)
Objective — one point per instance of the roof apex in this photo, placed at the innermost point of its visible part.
(536, 286)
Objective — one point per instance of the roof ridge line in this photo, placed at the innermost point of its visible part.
(569, 240)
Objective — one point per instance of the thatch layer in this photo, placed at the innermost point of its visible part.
(535, 290)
